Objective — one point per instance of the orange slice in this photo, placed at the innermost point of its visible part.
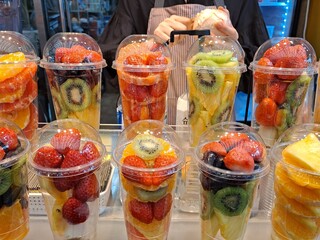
(10, 65)
(303, 179)
(277, 227)
(32, 126)
(20, 117)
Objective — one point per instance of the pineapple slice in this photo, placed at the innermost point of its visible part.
(304, 153)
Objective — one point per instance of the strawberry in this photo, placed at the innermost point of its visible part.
(160, 162)
(75, 211)
(238, 159)
(73, 158)
(48, 156)
(133, 232)
(291, 62)
(156, 58)
(265, 112)
(157, 109)
(87, 189)
(141, 211)
(278, 51)
(92, 56)
(215, 147)
(63, 184)
(66, 139)
(254, 148)
(135, 92)
(160, 88)
(60, 53)
(277, 91)
(261, 77)
(8, 138)
(162, 207)
(135, 175)
(232, 139)
(2, 153)
(260, 91)
(136, 60)
(90, 151)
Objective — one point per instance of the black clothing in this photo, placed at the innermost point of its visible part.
(131, 17)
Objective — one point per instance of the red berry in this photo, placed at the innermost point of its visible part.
(90, 151)
(141, 211)
(9, 138)
(2, 153)
(277, 91)
(93, 56)
(48, 156)
(254, 148)
(231, 140)
(60, 53)
(163, 161)
(64, 183)
(135, 92)
(156, 58)
(76, 54)
(239, 160)
(259, 75)
(162, 207)
(87, 189)
(135, 175)
(278, 51)
(73, 158)
(75, 211)
(266, 112)
(136, 60)
(160, 88)
(215, 147)
(66, 139)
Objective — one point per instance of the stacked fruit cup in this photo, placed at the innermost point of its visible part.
(214, 66)
(73, 63)
(67, 159)
(18, 81)
(232, 159)
(14, 152)
(143, 65)
(148, 157)
(296, 206)
(283, 69)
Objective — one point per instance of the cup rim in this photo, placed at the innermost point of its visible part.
(73, 66)
(143, 68)
(241, 68)
(29, 58)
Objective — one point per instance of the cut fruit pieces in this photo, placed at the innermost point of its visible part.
(209, 228)
(32, 126)
(58, 223)
(48, 185)
(19, 117)
(10, 66)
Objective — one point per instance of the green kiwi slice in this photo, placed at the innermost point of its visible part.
(76, 94)
(208, 78)
(5, 180)
(147, 146)
(151, 196)
(222, 114)
(206, 210)
(59, 106)
(297, 90)
(221, 56)
(231, 201)
(194, 109)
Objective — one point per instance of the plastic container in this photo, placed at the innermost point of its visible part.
(73, 64)
(149, 157)
(283, 75)
(231, 158)
(18, 81)
(14, 204)
(213, 67)
(143, 65)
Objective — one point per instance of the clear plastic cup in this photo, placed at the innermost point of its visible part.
(283, 75)
(213, 67)
(143, 66)
(73, 64)
(70, 183)
(18, 81)
(149, 158)
(14, 210)
(296, 203)
(231, 158)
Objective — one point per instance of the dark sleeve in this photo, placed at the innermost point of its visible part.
(247, 18)
(130, 17)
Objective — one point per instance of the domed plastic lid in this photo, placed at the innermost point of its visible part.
(216, 52)
(72, 51)
(18, 46)
(286, 57)
(143, 53)
(231, 135)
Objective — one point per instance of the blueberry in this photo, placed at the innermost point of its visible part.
(11, 195)
(213, 159)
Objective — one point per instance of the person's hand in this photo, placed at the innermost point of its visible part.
(170, 24)
(226, 27)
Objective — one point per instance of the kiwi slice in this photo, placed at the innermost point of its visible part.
(207, 78)
(220, 56)
(147, 146)
(151, 196)
(76, 94)
(206, 210)
(233, 62)
(5, 180)
(59, 106)
(284, 118)
(297, 90)
(231, 201)
(194, 109)
(199, 57)
(222, 114)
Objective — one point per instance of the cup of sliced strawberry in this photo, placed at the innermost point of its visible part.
(66, 159)
(148, 157)
(231, 158)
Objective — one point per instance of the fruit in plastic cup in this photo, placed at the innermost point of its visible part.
(149, 159)
(73, 63)
(143, 66)
(18, 81)
(213, 67)
(14, 210)
(296, 207)
(283, 69)
(67, 160)
(231, 158)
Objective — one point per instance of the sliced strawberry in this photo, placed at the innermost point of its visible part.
(277, 91)
(261, 77)
(162, 207)
(157, 109)
(254, 148)
(260, 91)
(75, 211)
(73, 158)
(136, 92)
(215, 147)
(60, 53)
(48, 156)
(239, 160)
(291, 62)
(266, 112)
(156, 58)
(93, 56)
(90, 151)
(233, 139)
(160, 88)
(136, 60)
(8, 138)
(134, 232)
(2, 153)
(139, 112)
(66, 139)
(141, 211)
(87, 189)
(163, 161)
(278, 51)
(135, 175)
(65, 183)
